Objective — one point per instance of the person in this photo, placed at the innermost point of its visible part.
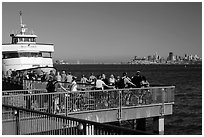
(125, 81)
(14, 73)
(100, 84)
(117, 82)
(63, 76)
(137, 79)
(69, 79)
(84, 79)
(43, 78)
(51, 88)
(47, 76)
(73, 86)
(31, 75)
(54, 99)
(35, 76)
(112, 80)
(104, 79)
(144, 82)
(92, 78)
(52, 73)
(38, 74)
(9, 73)
(58, 76)
(25, 75)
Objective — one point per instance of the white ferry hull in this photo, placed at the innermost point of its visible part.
(26, 63)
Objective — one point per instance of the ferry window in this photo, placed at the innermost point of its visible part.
(30, 54)
(4, 56)
(26, 39)
(13, 55)
(10, 55)
(36, 55)
(39, 54)
(20, 39)
(25, 54)
(15, 40)
(33, 40)
(46, 54)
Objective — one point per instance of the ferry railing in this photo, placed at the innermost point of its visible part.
(21, 121)
(78, 101)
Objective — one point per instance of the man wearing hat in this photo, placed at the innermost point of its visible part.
(125, 81)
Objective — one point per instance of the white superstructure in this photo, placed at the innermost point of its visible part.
(24, 52)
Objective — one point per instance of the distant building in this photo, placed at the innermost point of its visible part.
(171, 56)
(190, 57)
(196, 57)
(186, 57)
(149, 58)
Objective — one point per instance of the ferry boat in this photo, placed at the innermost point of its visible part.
(24, 52)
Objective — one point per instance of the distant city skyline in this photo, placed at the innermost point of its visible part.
(151, 58)
(110, 32)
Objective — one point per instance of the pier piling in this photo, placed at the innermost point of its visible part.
(158, 125)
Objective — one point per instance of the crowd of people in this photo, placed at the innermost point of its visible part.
(99, 82)
(70, 81)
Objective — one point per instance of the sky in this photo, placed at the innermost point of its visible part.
(109, 32)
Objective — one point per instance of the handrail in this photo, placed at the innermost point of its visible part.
(89, 100)
(100, 126)
(85, 91)
(169, 86)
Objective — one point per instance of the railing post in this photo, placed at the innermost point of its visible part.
(66, 103)
(158, 125)
(158, 122)
(163, 98)
(17, 114)
(120, 106)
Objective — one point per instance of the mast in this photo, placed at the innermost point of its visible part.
(23, 28)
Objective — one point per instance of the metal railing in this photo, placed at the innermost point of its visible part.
(21, 121)
(78, 101)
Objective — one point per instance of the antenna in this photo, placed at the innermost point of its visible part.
(21, 20)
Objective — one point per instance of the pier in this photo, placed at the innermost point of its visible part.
(99, 106)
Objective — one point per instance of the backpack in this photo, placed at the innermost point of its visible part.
(121, 83)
